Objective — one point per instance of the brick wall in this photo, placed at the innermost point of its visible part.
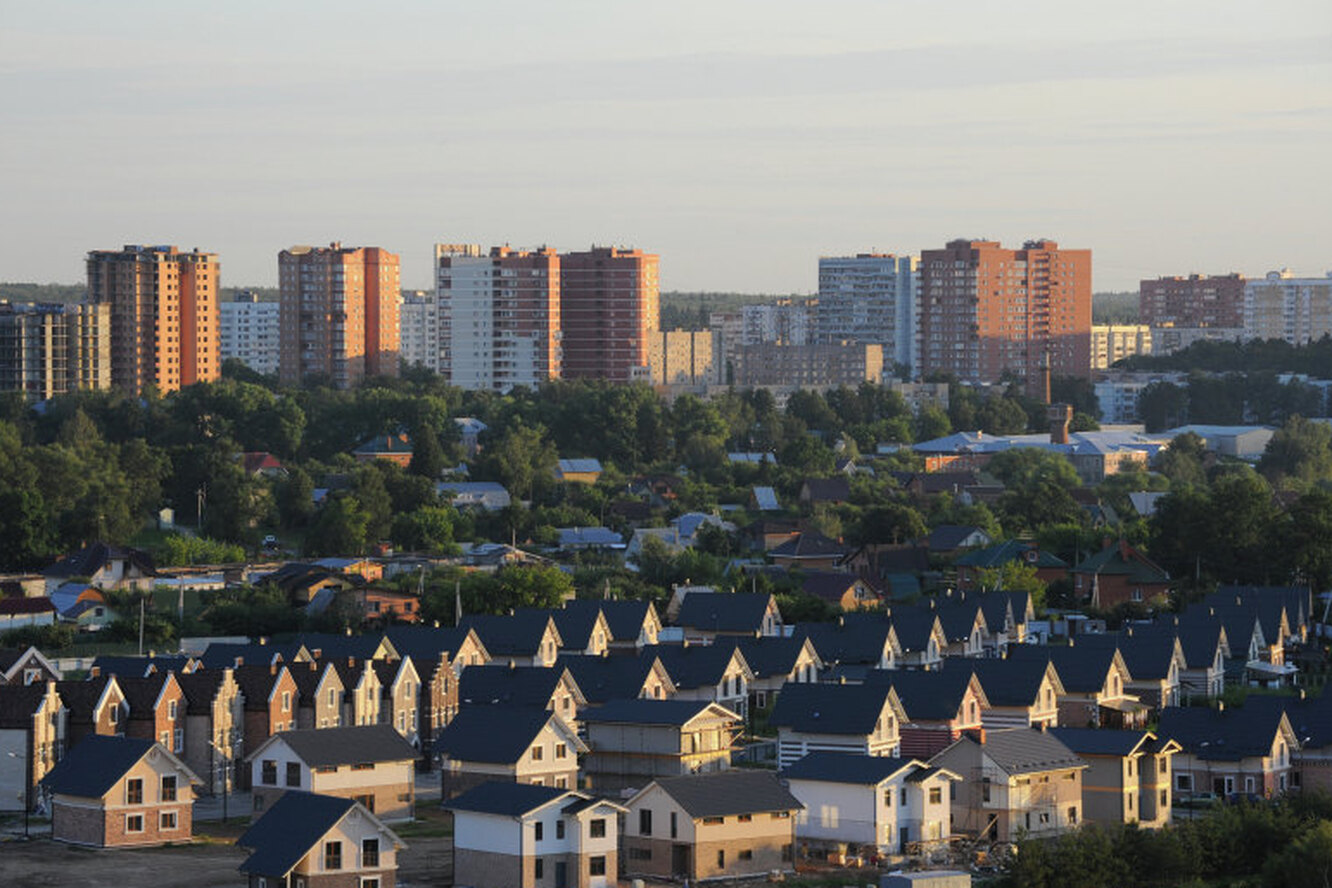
(484, 869)
(82, 826)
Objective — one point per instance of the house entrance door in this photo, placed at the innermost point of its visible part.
(680, 860)
(561, 874)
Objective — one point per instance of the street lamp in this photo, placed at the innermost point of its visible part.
(227, 757)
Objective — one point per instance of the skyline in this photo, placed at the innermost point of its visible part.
(740, 143)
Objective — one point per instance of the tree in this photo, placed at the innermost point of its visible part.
(340, 528)
(1307, 538)
(1305, 863)
(1014, 576)
(1184, 460)
(427, 454)
(523, 459)
(1163, 405)
(890, 523)
(1300, 450)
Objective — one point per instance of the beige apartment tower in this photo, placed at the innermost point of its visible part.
(339, 314)
(164, 320)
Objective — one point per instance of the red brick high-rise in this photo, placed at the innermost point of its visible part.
(985, 310)
(164, 321)
(1193, 301)
(609, 306)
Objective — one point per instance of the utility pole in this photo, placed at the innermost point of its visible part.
(141, 599)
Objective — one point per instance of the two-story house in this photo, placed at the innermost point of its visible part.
(551, 688)
(717, 673)
(633, 741)
(95, 706)
(507, 743)
(156, 709)
(1128, 776)
(602, 679)
(838, 718)
(25, 666)
(941, 705)
(705, 617)
(399, 705)
(214, 726)
(1019, 692)
(270, 701)
(372, 764)
(775, 661)
(855, 640)
(32, 739)
(526, 638)
(1223, 751)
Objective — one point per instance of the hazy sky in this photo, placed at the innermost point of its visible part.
(740, 140)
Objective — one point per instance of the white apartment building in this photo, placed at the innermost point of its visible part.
(418, 333)
(870, 298)
(1114, 342)
(787, 321)
(249, 331)
(1117, 393)
(1283, 306)
(499, 316)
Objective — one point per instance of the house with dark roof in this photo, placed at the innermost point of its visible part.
(372, 764)
(775, 661)
(1019, 692)
(964, 625)
(1203, 642)
(95, 706)
(16, 613)
(940, 706)
(156, 709)
(1119, 574)
(603, 679)
(319, 841)
(517, 744)
(810, 550)
(950, 539)
(825, 491)
(583, 628)
(261, 653)
(865, 640)
(461, 643)
(1310, 718)
(512, 835)
(138, 667)
(723, 825)
(1049, 567)
(632, 624)
(705, 617)
(1015, 781)
(633, 741)
(106, 567)
(25, 666)
(837, 718)
(1296, 601)
(845, 591)
(552, 689)
(271, 697)
(920, 632)
(528, 638)
(214, 717)
(870, 805)
(120, 792)
(32, 739)
(1095, 680)
(362, 692)
(1154, 659)
(1128, 777)
(1224, 751)
(716, 673)
(320, 692)
(399, 697)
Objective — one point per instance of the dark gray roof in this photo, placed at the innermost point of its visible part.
(508, 685)
(575, 624)
(1310, 719)
(1012, 682)
(625, 618)
(363, 744)
(926, 696)
(692, 666)
(810, 544)
(1199, 635)
(602, 679)
(1100, 741)
(200, 688)
(724, 612)
(425, 643)
(256, 683)
(846, 767)
(853, 638)
(80, 697)
(219, 654)
(828, 708)
(337, 645)
(724, 793)
(137, 667)
(517, 634)
(90, 559)
(771, 656)
(18, 703)
(913, 626)
(1027, 750)
(646, 712)
(93, 767)
(950, 536)
(958, 617)
(1082, 668)
(289, 830)
(505, 798)
(496, 734)
(1222, 735)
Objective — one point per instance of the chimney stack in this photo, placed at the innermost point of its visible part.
(1061, 417)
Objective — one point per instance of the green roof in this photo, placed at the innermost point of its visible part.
(1009, 550)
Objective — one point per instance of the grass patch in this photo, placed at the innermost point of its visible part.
(430, 823)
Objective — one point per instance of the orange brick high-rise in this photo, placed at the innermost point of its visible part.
(339, 314)
(164, 321)
(985, 310)
(609, 307)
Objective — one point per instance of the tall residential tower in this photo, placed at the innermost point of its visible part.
(610, 306)
(869, 298)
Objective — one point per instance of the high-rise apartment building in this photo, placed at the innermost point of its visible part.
(869, 297)
(789, 321)
(810, 366)
(985, 310)
(683, 358)
(249, 330)
(1283, 306)
(339, 314)
(1194, 301)
(163, 315)
(48, 350)
(609, 305)
(418, 330)
(499, 316)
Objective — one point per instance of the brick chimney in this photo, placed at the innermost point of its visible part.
(1061, 417)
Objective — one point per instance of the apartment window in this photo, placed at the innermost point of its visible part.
(985, 789)
(133, 823)
(746, 854)
(559, 829)
(293, 774)
(369, 852)
(1164, 799)
(596, 866)
(268, 772)
(166, 821)
(1184, 782)
(332, 855)
(721, 858)
(169, 788)
(539, 868)
(597, 828)
(171, 709)
(536, 753)
(936, 795)
(561, 783)
(640, 853)
(645, 822)
(134, 791)
(901, 796)
(539, 829)
(561, 751)
(712, 821)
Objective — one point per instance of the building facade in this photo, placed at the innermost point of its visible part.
(418, 330)
(1198, 300)
(609, 307)
(1283, 306)
(499, 316)
(985, 310)
(339, 314)
(50, 349)
(249, 330)
(682, 357)
(870, 298)
(1114, 342)
(164, 323)
(809, 366)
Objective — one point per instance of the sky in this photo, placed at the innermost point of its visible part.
(738, 140)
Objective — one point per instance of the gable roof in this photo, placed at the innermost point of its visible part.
(90, 769)
(1223, 735)
(849, 767)
(914, 626)
(696, 665)
(90, 559)
(18, 704)
(506, 798)
(610, 678)
(1121, 559)
(832, 585)
(653, 712)
(1098, 741)
(494, 734)
(809, 544)
(927, 696)
(292, 826)
(827, 490)
(513, 635)
(725, 611)
(773, 656)
(852, 638)
(575, 625)
(137, 667)
(1009, 550)
(950, 536)
(1082, 668)
(81, 697)
(723, 793)
(851, 709)
(200, 688)
(625, 618)
(1026, 751)
(223, 653)
(1008, 682)
(511, 685)
(330, 747)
